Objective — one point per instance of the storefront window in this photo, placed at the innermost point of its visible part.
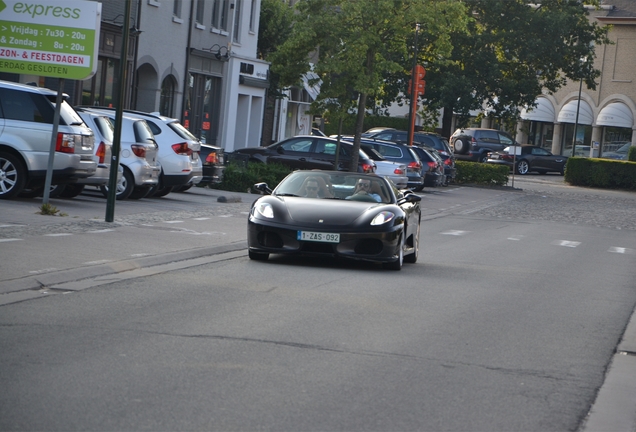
(615, 137)
(541, 134)
(201, 117)
(583, 140)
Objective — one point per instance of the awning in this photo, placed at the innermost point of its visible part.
(543, 112)
(616, 114)
(568, 113)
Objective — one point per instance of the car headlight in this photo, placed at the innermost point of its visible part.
(382, 218)
(265, 210)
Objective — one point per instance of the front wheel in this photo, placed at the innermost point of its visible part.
(72, 190)
(412, 257)
(257, 256)
(12, 176)
(483, 157)
(397, 264)
(523, 167)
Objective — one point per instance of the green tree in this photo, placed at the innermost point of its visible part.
(513, 50)
(355, 44)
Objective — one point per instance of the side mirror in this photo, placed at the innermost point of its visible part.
(263, 188)
(411, 198)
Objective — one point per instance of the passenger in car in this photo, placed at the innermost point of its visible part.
(363, 187)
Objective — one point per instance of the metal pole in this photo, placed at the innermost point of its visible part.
(413, 95)
(114, 163)
(56, 122)
(576, 121)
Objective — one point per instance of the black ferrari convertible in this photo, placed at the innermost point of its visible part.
(339, 214)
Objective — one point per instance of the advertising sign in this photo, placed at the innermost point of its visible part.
(55, 38)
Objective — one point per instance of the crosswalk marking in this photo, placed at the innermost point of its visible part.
(620, 250)
(566, 243)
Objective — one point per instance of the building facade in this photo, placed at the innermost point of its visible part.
(598, 121)
(194, 60)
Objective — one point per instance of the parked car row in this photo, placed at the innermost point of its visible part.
(157, 154)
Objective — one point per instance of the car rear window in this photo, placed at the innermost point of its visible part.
(182, 131)
(105, 127)
(143, 133)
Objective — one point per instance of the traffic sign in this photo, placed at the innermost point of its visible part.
(55, 38)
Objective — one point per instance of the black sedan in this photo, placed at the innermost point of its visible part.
(309, 152)
(338, 214)
(529, 158)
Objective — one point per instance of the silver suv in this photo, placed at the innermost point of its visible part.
(178, 151)
(26, 125)
(137, 155)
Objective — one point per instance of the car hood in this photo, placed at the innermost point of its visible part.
(326, 211)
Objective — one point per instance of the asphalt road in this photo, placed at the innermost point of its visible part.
(508, 321)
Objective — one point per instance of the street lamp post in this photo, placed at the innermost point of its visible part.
(576, 120)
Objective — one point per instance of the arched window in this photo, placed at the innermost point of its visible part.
(166, 104)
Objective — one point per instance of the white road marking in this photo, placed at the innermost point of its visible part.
(101, 231)
(43, 270)
(173, 222)
(103, 261)
(58, 235)
(10, 226)
(202, 218)
(566, 243)
(10, 239)
(621, 250)
(516, 238)
(454, 232)
(226, 216)
(139, 255)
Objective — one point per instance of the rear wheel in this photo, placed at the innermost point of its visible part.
(12, 176)
(523, 167)
(140, 192)
(124, 187)
(72, 190)
(256, 256)
(483, 157)
(38, 191)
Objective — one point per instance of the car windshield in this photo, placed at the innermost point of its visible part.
(336, 185)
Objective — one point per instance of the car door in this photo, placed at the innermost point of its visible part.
(543, 159)
(294, 153)
(323, 154)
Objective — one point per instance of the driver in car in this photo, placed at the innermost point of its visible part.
(363, 187)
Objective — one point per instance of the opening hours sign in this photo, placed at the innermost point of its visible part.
(55, 38)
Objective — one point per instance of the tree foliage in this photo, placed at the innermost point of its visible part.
(512, 52)
(355, 44)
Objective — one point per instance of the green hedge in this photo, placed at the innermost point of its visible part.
(238, 178)
(481, 173)
(602, 173)
(631, 154)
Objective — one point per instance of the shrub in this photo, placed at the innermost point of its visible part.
(602, 173)
(631, 154)
(240, 178)
(481, 173)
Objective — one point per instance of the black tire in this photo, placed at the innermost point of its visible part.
(140, 192)
(483, 157)
(523, 167)
(256, 256)
(124, 187)
(543, 172)
(397, 264)
(412, 257)
(54, 192)
(12, 176)
(72, 190)
(183, 188)
(158, 192)
(461, 146)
